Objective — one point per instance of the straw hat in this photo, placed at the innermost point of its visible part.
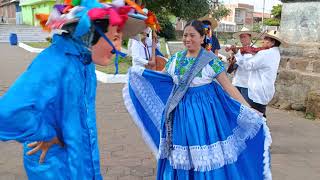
(214, 22)
(275, 35)
(244, 30)
(133, 27)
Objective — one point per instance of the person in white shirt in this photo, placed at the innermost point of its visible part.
(241, 76)
(263, 68)
(141, 50)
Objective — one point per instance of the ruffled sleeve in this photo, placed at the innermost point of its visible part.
(169, 63)
(217, 67)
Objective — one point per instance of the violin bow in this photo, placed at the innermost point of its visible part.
(259, 38)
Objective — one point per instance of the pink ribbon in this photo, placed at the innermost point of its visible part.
(117, 16)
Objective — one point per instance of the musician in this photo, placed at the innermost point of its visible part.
(240, 79)
(211, 42)
(263, 68)
(141, 49)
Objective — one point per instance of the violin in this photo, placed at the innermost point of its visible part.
(232, 64)
(243, 50)
(251, 50)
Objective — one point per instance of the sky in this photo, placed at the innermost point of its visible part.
(258, 4)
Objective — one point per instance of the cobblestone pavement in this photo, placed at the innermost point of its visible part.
(295, 148)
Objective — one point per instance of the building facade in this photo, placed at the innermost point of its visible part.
(10, 12)
(31, 7)
(241, 14)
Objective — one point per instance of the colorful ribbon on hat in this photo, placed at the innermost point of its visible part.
(208, 39)
(85, 11)
(152, 21)
(135, 6)
(117, 16)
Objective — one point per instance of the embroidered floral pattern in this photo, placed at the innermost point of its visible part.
(217, 65)
(183, 65)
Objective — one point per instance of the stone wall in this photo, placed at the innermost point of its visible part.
(300, 22)
(299, 71)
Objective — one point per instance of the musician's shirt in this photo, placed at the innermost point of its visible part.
(177, 65)
(263, 69)
(241, 75)
(141, 54)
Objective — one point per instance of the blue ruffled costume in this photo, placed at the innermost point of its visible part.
(55, 96)
(213, 135)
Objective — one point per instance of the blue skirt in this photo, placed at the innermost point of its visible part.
(214, 136)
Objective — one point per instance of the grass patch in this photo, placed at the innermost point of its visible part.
(38, 44)
(163, 49)
(311, 116)
(124, 65)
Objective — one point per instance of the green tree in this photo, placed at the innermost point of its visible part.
(188, 9)
(220, 12)
(256, 27)
(272, 22)
(167, 29)
(182, 9)
(276, 13)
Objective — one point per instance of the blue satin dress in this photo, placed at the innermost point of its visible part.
(213, 135)
(55, 96)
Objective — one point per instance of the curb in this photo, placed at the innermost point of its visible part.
(29, 48)
(102, 77)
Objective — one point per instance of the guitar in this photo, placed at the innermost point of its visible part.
(159, 61)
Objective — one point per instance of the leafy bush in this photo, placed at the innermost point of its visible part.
(272, 22)
(167, 29)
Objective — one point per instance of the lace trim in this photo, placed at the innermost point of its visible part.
(146, 95)
(216, 155)
(132, 111)
(266, 160)
(137, 70)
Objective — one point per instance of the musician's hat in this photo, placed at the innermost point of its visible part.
(212, 20)
(244, 30)
(275, 35)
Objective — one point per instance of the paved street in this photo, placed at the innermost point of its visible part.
(295, 148)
